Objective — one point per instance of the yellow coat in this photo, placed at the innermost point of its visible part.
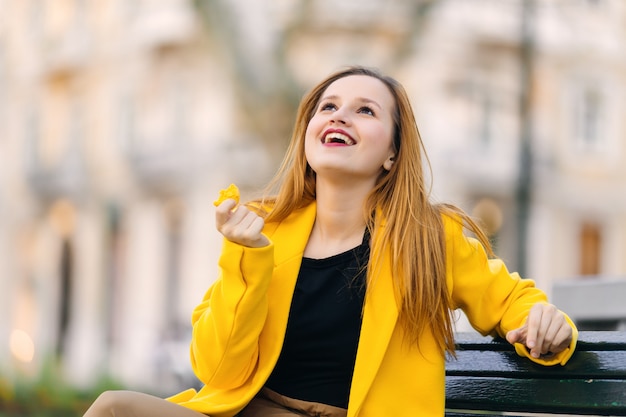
(239, 326)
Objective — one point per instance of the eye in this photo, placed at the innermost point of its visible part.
(366, 110)
(327, 106)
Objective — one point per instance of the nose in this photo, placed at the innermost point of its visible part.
(339, 116)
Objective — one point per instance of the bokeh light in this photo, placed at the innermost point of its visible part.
(22, 346)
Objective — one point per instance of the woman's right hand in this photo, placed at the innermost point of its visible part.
(240, 225)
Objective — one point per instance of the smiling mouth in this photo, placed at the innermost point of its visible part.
(336, 137)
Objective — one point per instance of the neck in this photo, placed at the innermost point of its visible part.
(340, 221)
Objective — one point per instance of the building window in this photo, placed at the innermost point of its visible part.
(589, 119)
(489, 111)
(590, 249)
(481, 101)
(160, 120)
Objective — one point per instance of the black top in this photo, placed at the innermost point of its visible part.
(317, 359)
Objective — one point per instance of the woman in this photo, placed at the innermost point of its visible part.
(335, 297)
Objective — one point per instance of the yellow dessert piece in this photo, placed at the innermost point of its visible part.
(231, 192)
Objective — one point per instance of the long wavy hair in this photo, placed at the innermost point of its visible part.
(398, 212)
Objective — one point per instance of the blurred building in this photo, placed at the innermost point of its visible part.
(533, 91)
(120, 125)
(121, 120)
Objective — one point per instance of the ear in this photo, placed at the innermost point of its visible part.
(389, 162)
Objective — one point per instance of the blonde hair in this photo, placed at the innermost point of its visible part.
(399, 198)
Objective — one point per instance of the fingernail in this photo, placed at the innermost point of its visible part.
(535, 354)
(531, 344)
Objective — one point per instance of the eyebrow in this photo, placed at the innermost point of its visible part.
(361, 99)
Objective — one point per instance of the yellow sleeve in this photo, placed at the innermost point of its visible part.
(182, 396)
(494, 300)
(228, 321)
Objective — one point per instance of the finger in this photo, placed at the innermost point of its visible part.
(565, 335)
(511, 336)
(517, 335)
(239, 214)
(223, 211)
(242, 229)
(533, 323)
(252, 234)
(543, 340)
(230, 227)
(256, 226)
(550, 339)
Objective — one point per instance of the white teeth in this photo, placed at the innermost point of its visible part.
(338, 136)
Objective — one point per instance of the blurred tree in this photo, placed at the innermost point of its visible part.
(266, 85)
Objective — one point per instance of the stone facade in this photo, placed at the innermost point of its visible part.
(121, 120)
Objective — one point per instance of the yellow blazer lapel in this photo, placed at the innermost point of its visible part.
(290, 238)
(380, 315)
(292, 234)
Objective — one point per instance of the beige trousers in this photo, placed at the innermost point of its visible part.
(266, 404)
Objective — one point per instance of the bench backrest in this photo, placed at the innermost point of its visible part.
(489, 376)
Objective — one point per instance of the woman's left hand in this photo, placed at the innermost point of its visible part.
(545, 333)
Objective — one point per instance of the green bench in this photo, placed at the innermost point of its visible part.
(488, 377)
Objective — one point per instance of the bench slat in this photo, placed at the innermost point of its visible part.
(588, 365)
(587, 340)
(545, 396)
(489, 377)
